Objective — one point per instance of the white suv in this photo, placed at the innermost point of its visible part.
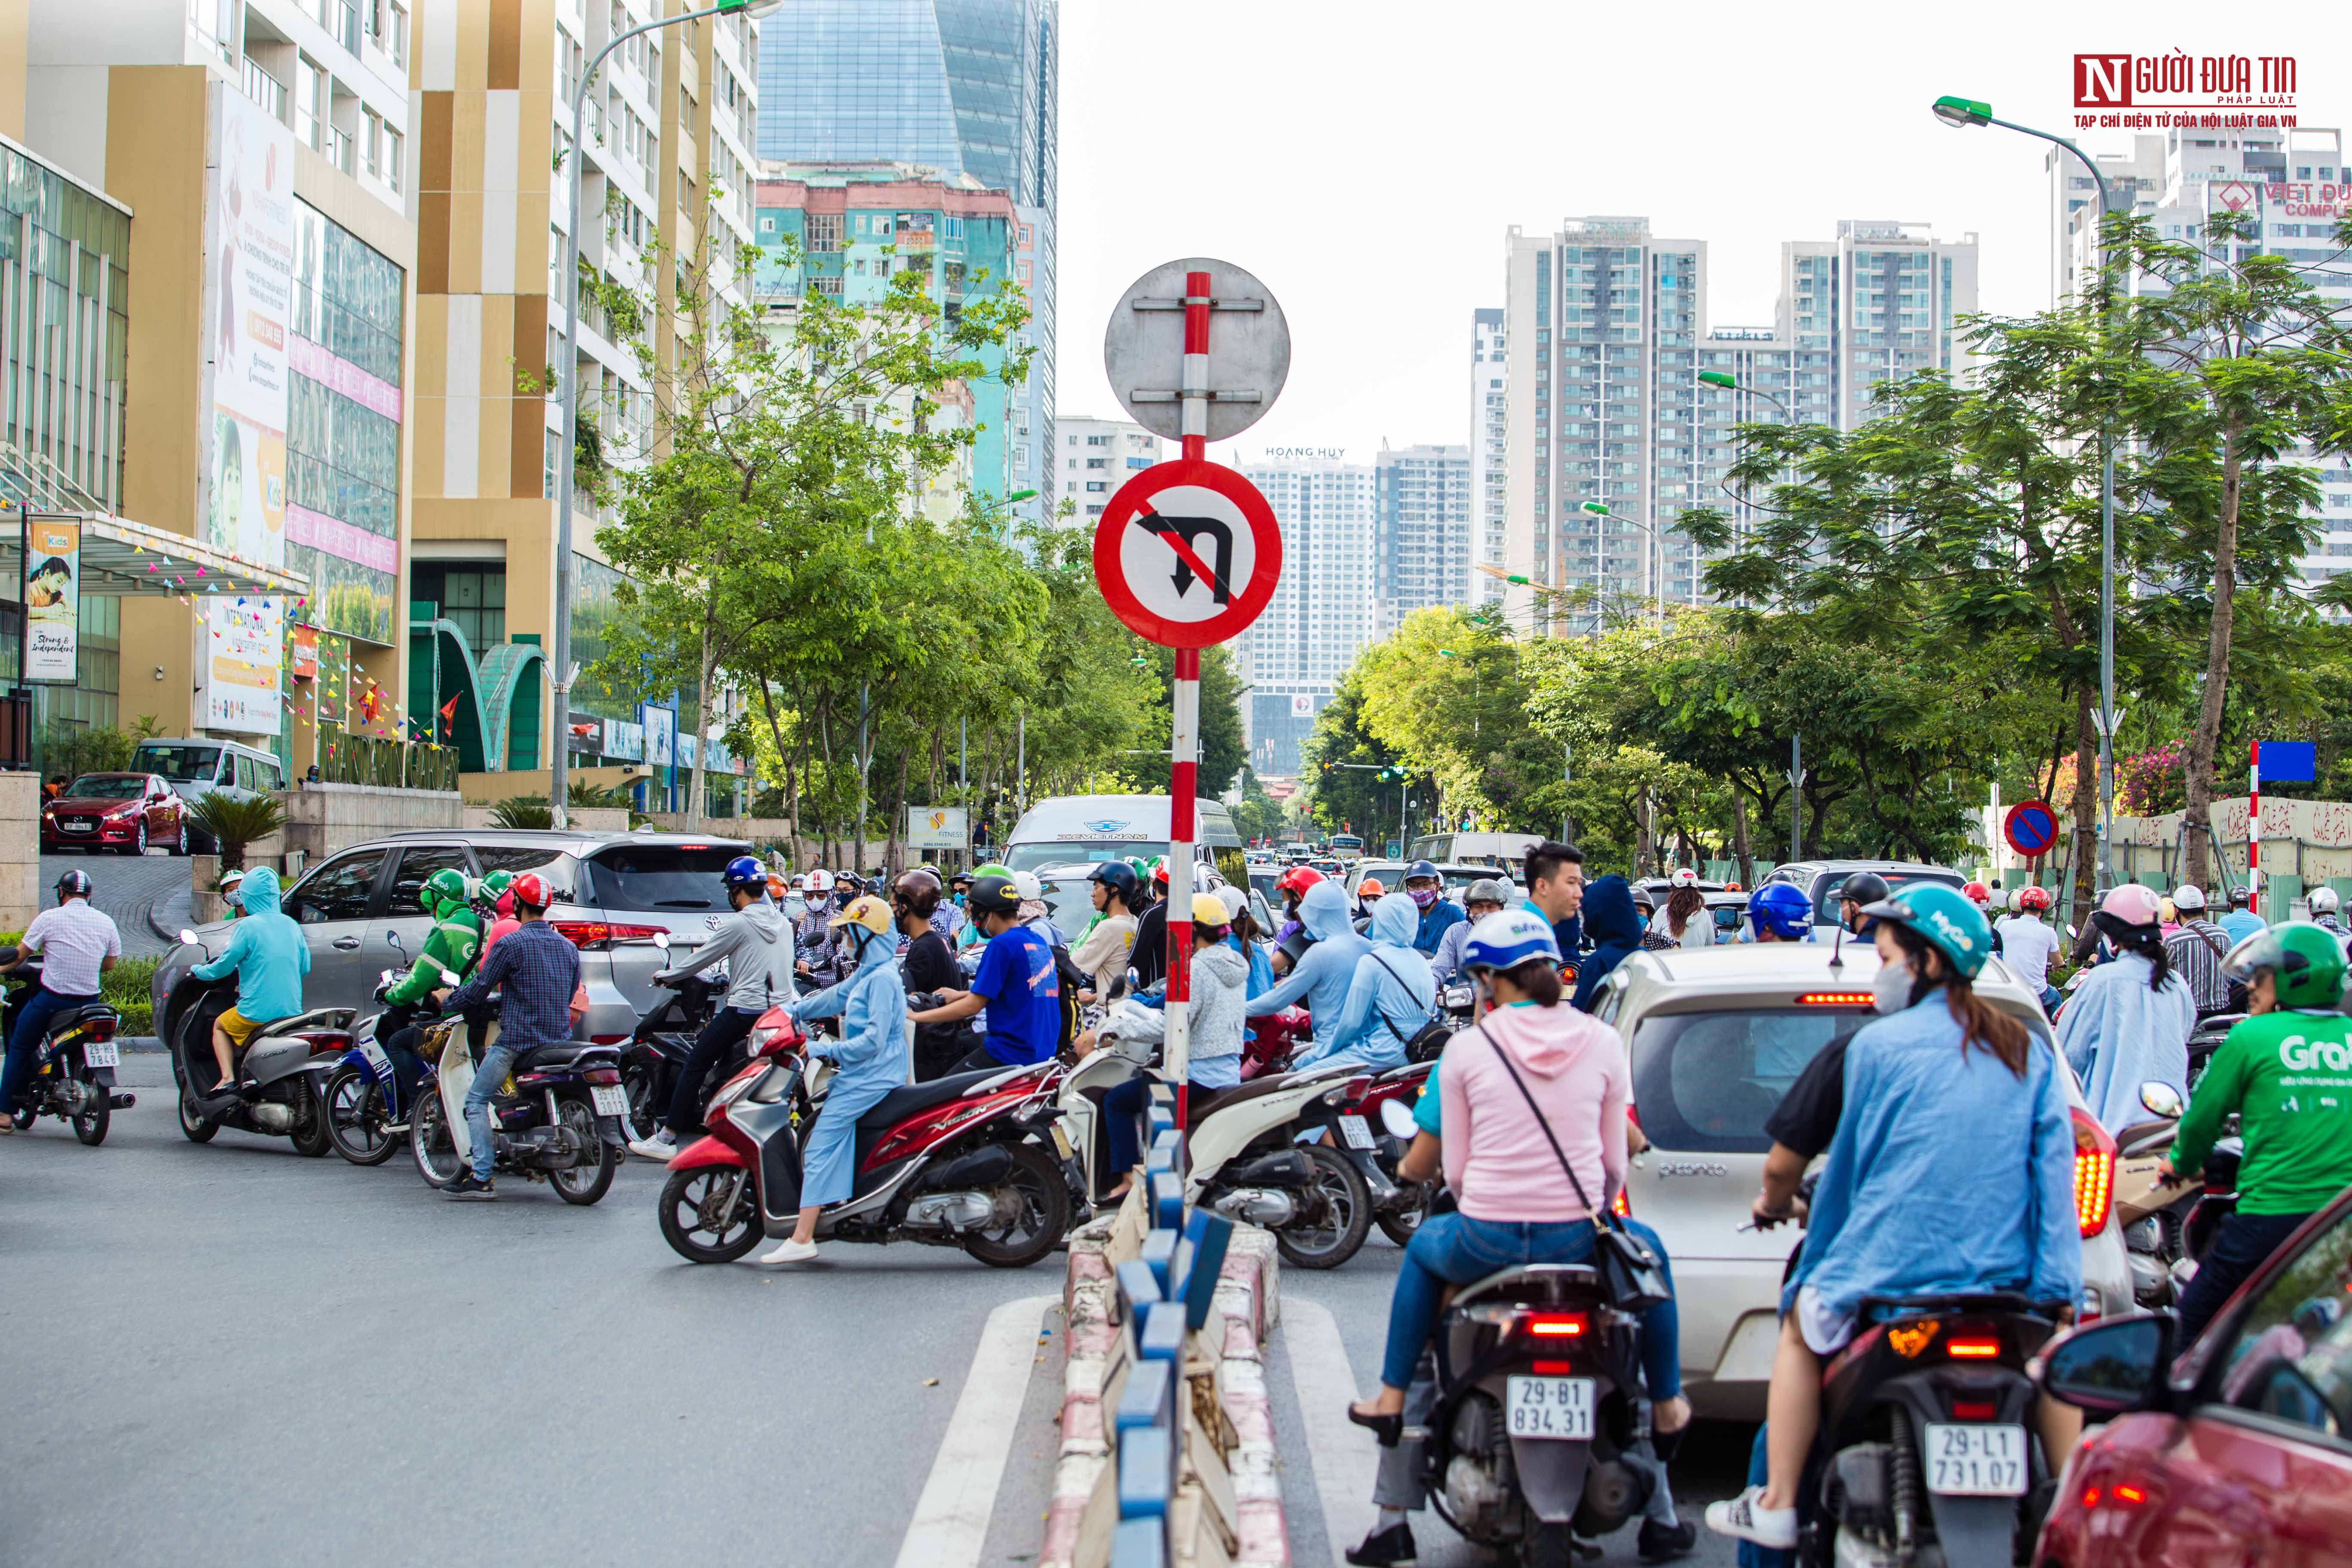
(1705, 1077)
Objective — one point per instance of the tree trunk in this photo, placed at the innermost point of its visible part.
(2207, 739)
(708, 666)
(1739, 851)
(897, 855)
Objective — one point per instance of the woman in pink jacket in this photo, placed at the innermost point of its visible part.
(1516, 1204)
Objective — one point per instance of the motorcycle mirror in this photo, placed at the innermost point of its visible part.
(187, 936)
(1398, 1120)
(393, 937)
(2162, 1099)
(661, 940)
(2071, 932)
(1134, 980)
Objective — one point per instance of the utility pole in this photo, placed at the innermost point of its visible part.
(1567, 777)
(1796, 797)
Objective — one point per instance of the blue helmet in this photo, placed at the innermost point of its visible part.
(1507, 940)
(1418, 868)
(1121, 879)
(1782, 909)
(745, 871)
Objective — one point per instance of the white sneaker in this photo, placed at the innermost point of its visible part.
(658, 1148)
(1745, 1518)
(805, 1251)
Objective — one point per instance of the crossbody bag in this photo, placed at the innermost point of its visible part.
(1630, 1271)
(1425, 1043)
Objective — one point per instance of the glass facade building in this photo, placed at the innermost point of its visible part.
(966, 86)
(342, 437)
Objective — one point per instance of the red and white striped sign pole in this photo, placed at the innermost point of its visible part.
(2254, 827)
(1184, 741)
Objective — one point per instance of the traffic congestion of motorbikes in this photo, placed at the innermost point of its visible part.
(964, 1061)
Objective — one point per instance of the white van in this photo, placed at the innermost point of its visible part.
(1080, 830)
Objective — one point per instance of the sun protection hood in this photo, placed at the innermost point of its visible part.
(1396, 921)
(1609, 913)
(258, 892)
(1324, 911)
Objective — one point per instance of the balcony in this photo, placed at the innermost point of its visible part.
(266, 91)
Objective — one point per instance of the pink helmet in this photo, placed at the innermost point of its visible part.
(2132, 904)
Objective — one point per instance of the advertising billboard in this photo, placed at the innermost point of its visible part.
(52, 595)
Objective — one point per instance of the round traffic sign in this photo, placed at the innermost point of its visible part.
(1248, 358)
(1187, 554)
(2031, 827)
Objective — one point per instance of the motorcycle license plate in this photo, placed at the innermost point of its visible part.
(1549, 1407)
(1357, 1131)
(608, 1100)
(378, 1063)
(102, 1054)
(1062, 1141)
(1974, 1461)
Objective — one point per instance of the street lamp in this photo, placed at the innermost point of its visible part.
(559, 663)
(1961, 113)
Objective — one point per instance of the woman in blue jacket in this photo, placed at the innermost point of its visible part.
(1326, 969)
(1390, 997)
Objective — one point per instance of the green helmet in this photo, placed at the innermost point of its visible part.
(493, 887)
(2307, 959)
(1944, 918)
(443, 889)
(990, 869)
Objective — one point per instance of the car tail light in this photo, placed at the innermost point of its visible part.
(2128, 1495)
(601, 1075)
(1554, 1368)
(598, 936)
(1554, 1326)
(1974, 1410)
(1972, 1341)
(1835, 999)
(1348, 1093)
(2095, 1175)
(1620, 1206)
(99, 1028)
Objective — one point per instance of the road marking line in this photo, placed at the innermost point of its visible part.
(950, 1527)
(1345, 1456)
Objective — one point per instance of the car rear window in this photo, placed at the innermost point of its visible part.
(1707, 1082)
(1825, 896)
(1069, 903)
(659, 877)
(1037, 857)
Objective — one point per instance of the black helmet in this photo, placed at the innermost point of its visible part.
(995, 896)
(1865, 888)
(918, 889)
(73, 884)
(1119, 876)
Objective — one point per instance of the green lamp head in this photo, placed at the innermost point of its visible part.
(1963, 111)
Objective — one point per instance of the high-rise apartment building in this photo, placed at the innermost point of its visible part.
(964, 86)
(2295, 183)
(1609, 433)
(1490, 498)
(1322, 614)
(1423, 504)
(244, 385)
(664, 173)
(1096, 456)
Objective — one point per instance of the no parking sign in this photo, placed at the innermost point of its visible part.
(2032, 828)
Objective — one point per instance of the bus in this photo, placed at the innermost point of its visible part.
(1345, 847)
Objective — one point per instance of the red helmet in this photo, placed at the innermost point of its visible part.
(1297, 879)
(530, 892)
(2036, 898)
(1978, 894)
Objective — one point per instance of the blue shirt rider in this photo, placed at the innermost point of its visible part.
(1438, 914)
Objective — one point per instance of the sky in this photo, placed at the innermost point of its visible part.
(1365, 160)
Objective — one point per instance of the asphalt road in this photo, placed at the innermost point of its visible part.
(230, 1354)
(127, 888)
(1309, 1409)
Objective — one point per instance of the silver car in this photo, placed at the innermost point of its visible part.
(611, 890)
(1717, 1036)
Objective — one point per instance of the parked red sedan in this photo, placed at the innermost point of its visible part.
(125, 812)
(2238, 1452)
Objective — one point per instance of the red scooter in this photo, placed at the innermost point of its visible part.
(970, 1160)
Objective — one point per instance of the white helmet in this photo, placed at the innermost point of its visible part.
(2190, 896)
(1685, 878)
(2324, 901)
(1025, 883)
(820, 880)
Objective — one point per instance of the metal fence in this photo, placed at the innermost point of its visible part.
(388, 763)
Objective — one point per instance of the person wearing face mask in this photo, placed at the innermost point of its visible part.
(1439, 914)
(869, 1058)
(1324, 973)
(1486, 896)
(2129, 1021)
(818, 955)
(1391, 996)
(1944, 1093)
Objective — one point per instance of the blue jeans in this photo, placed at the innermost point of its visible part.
(496, 1062)
(24, 1040)
(1454, 1249)
(2242, 1243)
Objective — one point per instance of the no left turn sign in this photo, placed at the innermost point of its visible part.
(1188, 553)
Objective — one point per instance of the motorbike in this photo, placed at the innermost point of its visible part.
(2151, 1208)
(656, 1051)
(1538, 1400)
(73, 1076)
(1926, 1452)
(1389, 1101)
(556, 1120)
(287, 1060)
(2217, 1200)
(367, 1110)
(1259, 1154)
(964, 1160)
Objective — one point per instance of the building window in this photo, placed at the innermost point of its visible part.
(472, 595)
(824, 231)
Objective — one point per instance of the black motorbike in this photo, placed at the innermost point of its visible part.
(656, 1051)
(73, 1076)
(1928, 1451)
(1538, 1400)
(285, 1061)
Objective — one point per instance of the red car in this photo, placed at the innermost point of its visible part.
(2238, 1452)
(125, 812)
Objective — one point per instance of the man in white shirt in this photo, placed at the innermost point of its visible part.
(77, 945)
(2027, 946)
